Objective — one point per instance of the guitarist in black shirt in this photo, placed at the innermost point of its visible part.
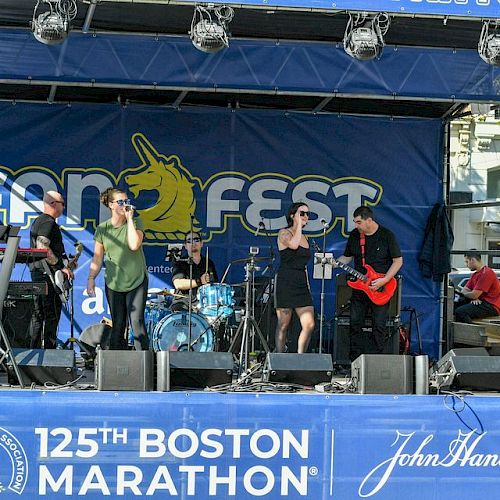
(371, 245)
(46, 233)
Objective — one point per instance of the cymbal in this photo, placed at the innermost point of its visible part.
(251, 258)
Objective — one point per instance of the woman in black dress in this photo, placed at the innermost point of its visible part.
(292, 292)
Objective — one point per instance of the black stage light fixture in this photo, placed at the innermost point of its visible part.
(209, 27)
(489, 42)
(52, 20)
(364, 35)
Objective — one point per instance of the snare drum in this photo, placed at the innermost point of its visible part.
(173, 331)
(216, 299)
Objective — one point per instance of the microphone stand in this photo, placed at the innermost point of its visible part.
(270, 281)
(322, 295)
(190, 293)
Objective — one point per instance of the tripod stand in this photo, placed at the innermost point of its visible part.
(72, 340)
(248, 327)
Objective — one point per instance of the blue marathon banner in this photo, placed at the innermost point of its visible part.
(202, 445)
(230, 170)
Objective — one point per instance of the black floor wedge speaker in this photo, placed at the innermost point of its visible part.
(40, 366)
(468, 368)
(184, 369)
(124, 370)
(383, 374)
(303, 369)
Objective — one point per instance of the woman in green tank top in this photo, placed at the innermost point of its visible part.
(118, 243)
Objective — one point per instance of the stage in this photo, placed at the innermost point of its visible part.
(182, 444)
(75, 440)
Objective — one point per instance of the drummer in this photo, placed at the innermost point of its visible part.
(204, 272)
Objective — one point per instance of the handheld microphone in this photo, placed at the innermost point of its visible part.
(325, 224)
(129, 207)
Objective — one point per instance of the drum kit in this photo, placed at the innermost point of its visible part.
(214, 317)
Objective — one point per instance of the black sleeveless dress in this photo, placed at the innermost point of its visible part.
(291, 288)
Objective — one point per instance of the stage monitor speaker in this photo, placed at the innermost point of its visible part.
(383, 374)
(343, 294)
(43, 365)
(477, 373)
(124, 370)
(341, 339)
(192, 369)
(303, 369)
(463, 351)
(16, 320)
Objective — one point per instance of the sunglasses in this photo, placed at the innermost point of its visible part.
(194, 240)
(122, 203)
(303, 213)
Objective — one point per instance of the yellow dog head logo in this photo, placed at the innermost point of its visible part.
(170, 217)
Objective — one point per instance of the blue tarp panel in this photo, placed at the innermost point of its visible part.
(239, 167)
(124, 445)
(249, 65)
(462, 8)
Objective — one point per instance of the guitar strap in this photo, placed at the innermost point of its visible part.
(362, 244)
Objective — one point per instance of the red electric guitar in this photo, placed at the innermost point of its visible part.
(378, 297)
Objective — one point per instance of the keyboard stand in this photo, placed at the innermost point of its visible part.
(8, 262)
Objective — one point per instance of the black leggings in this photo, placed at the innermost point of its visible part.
(128, 304)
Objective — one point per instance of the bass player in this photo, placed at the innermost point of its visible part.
(46, 233)
(376, 246)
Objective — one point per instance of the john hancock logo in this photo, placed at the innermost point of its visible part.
(15, 477)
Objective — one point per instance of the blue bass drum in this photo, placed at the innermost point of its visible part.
(172, 332)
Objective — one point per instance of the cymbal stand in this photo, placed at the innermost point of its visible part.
(8, 262)
(190, 293)
(322, 296)
(248, 327)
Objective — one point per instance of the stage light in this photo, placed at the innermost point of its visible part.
(209, 27)
(52, 19)
(364, 35)
(489, 42)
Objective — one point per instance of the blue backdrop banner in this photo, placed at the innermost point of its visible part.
(230, 169)
(462, 8)
(178, 445)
